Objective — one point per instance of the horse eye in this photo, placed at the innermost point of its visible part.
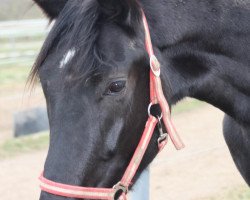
(116, 87)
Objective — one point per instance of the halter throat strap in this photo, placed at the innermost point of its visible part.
(156, 97)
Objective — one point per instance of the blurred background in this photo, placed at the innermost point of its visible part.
(202, 171)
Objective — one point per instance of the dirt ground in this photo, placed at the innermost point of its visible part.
(203, 169)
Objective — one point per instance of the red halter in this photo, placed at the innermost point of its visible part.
(156, 97)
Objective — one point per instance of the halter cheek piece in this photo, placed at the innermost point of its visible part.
(121, 189)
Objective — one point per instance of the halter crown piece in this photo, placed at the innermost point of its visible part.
(121, 188)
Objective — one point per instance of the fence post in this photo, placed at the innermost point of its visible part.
(141, 188)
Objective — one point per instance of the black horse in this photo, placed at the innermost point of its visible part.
(94, 71)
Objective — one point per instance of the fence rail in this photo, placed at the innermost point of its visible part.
(21, 40)
(23, 28)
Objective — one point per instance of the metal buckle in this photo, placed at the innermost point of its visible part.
(163, 136)
(155, 65)
(119, 187)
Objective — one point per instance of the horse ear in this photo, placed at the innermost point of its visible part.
(51, 8)
(124, 11)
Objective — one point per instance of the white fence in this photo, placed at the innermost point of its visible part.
(23, 28)
(21, 40)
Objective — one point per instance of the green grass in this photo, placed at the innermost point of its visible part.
(21, 46)
(13, 147)
(237, 193)
(15, 73)
(39, 37)
(187, 105)
(16, 70)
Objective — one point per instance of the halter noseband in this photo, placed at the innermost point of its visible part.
(121, 188)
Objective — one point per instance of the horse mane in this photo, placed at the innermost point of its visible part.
(78, 26)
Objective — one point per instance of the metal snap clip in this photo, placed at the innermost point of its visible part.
(163, 136)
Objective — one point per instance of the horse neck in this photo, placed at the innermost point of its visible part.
(200, 63)
(215, 79)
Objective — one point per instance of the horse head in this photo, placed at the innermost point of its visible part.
(94, 72)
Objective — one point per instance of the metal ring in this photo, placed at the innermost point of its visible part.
(119, 187)
(149, 108)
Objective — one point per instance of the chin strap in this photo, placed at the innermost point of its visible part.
(120, 190)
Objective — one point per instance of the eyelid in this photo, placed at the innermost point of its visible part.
(116, 79)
